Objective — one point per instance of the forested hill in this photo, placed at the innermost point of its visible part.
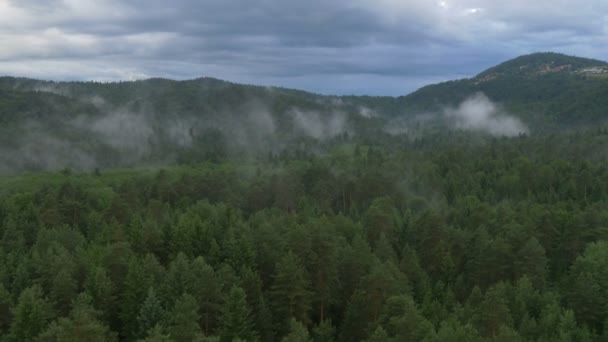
(544, 89)
(447, 215)
(83, 125)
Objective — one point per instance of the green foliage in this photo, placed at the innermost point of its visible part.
(31, 315)
(237, 321)
(297, 332)
(290, 293)
(446, 237)
(81, 325)
(588, 294)
(150, 314)
(184, 318)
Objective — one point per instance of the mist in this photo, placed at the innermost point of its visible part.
(136, 133)
(317, 125)
(38, 150)
(479, 113)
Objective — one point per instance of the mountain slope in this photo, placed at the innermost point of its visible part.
(51, 125)
(542, 89)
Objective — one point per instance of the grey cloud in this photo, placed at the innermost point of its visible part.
(291, 41)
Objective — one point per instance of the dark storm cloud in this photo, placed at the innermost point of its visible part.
(380, 46)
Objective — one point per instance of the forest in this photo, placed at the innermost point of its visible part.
(203, 210)
(450, 237)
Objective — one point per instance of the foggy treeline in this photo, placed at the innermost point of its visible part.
(160, 122)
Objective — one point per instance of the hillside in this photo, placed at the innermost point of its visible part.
(546, 90)
(85, 125)
(51, 125)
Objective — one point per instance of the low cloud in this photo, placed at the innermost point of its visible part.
(317, 125)
(38, 150)
(479, 113)
(124, 131)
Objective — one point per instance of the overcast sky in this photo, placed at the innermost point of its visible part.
(376, 47)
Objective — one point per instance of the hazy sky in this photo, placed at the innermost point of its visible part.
(376, 47)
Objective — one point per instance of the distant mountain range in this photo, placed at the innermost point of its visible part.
(50, 125)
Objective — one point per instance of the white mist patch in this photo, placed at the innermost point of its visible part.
(479, 113)
(50, 88)
(179, 132)
(38, 149)
(260, 121)
(122, 130)
(319, 126)
(97, 101)
(367, 112)
(52, 153)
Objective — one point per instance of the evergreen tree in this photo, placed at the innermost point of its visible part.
(81, 325)
(6, 303)
(356, 319)
(156, 334)
(379, 335)
(236, 319)
(324, 332)
(100, 288)
(63, 291)
(184, 319)
(290, 290)
(150, 314)
(31, 315)
(206, 288)
(297, 333)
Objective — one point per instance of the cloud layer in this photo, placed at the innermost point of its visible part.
(344, 46)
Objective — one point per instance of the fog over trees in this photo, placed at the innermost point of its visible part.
(157, 210)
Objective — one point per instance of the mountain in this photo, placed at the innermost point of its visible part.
(547, 90)
(51, 125)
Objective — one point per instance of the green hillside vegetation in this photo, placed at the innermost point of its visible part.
(160, 121)
(204, 210)
(549, 91)
(435, 239)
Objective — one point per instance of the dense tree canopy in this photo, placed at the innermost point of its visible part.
(280, 228)
(449, 237)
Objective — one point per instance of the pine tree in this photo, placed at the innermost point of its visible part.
(452, 330)
(150, 314)
(379, 335)
(6, 304)
(262, 317)
(236, 319)
(157, 334)
(133, 294)
(323, 266)
(290, 293)
(63, 291)
(356, 318)
(324, 332)
(404, 321)
(184, 320)
(206, 288)
(31, 314)
(531, 260)
(100, 288)
(297, 333)
(494, 311)
(81, 325)
(178, 279)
